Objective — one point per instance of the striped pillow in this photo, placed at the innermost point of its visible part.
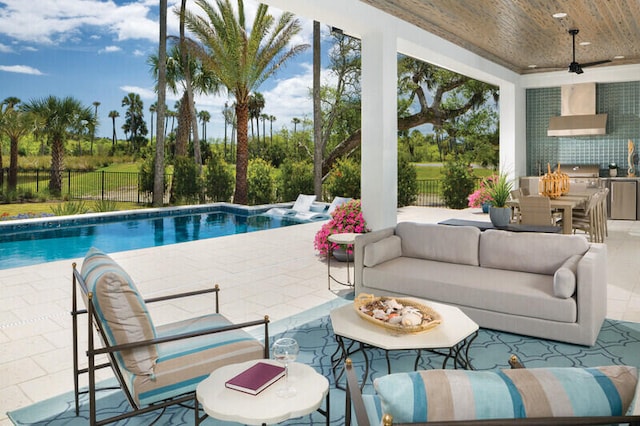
(443, 395)
(121, 310)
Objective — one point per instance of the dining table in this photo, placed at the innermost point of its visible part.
(565, 204)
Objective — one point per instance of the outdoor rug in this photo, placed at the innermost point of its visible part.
(618, 343)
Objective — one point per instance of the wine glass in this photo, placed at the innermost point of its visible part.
(285, 350)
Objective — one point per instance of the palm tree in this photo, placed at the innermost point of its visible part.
(272, 118)
(295, 122)
(152, 109)
(60, 118)
(134, 118)
(14, 123)
(256, 105)
(263, 117)
(113, 115)
(158, 172)
(96, 104)
(242, 59)
(204, 117)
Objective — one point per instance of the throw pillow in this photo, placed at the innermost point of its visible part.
(121, 310)
(383, 250)
(447, 395)
(564, 280)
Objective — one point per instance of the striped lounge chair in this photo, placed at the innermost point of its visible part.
(155, 366)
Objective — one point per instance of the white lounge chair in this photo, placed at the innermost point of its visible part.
(303, 204)
(325, 215)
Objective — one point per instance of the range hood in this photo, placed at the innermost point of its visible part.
(579, 118)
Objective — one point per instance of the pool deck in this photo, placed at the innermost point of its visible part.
(274, 272)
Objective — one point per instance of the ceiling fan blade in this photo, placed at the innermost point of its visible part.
(575, 67)
(591, 64)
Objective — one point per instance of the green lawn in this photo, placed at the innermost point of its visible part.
(35, 209)
(434, 171)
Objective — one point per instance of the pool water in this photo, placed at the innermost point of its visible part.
(45, 245)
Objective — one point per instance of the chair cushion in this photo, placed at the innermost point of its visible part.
(121, 310)
(443, 395)
(383, 250)
(564, 280)
(182, 364)
(303, 203)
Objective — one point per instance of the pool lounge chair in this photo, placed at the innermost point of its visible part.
(303, 204)
(324, 215)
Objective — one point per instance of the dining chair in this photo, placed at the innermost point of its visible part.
(593, 219)
(536, 210)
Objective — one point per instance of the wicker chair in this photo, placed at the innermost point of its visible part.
(536, 210)
(155, 366)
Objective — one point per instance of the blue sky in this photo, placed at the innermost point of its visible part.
(96, 50)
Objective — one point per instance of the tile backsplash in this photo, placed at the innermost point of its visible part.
(621, 101)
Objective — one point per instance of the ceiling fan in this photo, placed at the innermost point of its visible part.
(576, 67)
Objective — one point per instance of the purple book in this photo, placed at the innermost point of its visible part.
(255, 379)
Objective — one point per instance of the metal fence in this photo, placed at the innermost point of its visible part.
(100, 185)
(126, 186)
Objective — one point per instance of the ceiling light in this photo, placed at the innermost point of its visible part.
(585, 43)
(618, 57)
(559, 15)
(532, 66)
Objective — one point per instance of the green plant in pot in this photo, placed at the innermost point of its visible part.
(499, 187)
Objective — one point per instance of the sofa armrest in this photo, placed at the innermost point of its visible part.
(591, 291)
(358, 251)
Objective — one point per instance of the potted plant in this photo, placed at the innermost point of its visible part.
(499, 188)
(346, 218)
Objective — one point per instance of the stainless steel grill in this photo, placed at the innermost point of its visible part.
(582, 174)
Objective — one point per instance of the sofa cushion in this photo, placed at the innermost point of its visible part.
(121, 310)
(528, 252)
(564, 280)
(383, 250)
(443, 395)
(453, 244)
(471, 286)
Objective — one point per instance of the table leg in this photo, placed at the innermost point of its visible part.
(567, 219)
(337, 362)
(330, 277)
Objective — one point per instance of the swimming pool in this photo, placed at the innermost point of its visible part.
(25, 243)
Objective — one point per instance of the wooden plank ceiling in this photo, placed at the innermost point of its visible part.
(519, 34)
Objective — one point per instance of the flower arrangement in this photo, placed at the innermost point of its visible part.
(346, 218)
(481, 195)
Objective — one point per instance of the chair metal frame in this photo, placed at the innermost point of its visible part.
(93, 351)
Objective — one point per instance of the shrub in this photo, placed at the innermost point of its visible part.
(296, 177)
(407, 183)
(260, 182)
(218, 179)
(344, 179)
(70, 208)
(104, 206)
(457, 184)
(186, 183)
(146, 175)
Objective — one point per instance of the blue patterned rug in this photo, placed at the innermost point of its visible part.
(618, 343)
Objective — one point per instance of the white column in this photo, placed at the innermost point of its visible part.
(379, 128)
(513, 136)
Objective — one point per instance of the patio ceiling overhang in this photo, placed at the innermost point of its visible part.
(383, 34)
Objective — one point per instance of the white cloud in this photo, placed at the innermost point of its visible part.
(21, 69)
(145, 93)
(5, 49)
(139, 52)
(110, 49)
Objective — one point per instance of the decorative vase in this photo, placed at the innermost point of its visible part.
(500, 216)
(485, 207)
(341, 255)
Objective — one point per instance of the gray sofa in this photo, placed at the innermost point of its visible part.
(551, 286)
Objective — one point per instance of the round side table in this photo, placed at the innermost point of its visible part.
(345, 239)
(231, 405)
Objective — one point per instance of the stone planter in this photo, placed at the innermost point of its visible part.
(500, 216)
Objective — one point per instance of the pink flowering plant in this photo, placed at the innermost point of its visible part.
(345, 218)
(482, 195)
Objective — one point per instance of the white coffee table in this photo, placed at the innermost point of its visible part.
(266, 407)
(451, 339)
